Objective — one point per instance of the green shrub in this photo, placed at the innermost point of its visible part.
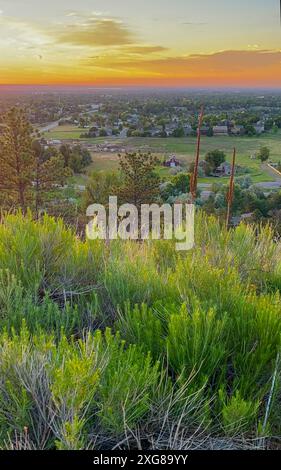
(45, 256)
(211, 316)
(16, 404)
(131, 275)
(256, 335)
(140, 325)
(196, 344)
(20, 252)
(238, 414)
(126, 386)
(74, 379)
(47, 389)
(17, 305)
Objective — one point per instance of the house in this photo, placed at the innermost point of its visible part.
(156, 131)
(247, 216)
(95, 107)
(237, 130)
(172, 162)
(133, 119)
(187, 129)
(220, 130)
(170, 128)
(108, 131)
(223, 170)
(204, 130)
(54, 142)
(259, 127)
(123, 133)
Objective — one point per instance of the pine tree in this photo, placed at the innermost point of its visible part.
(16, 159)
(49, 174)
(140, 182)
(28, 174)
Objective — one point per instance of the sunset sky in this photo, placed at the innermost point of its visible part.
(141, 42)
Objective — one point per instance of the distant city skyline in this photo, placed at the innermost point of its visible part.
(184, 43)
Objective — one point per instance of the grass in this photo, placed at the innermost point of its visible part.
(184, 148)
(69, 131)
(245, 146)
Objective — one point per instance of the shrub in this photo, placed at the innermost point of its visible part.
(126, 387)
(45, 256)
(74, 380)
(237, 414)
(140, 325)
(17, 305)
(196, 344)
(211, 316)
(132, 275)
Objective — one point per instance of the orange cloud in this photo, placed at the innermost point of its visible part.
(227, 67)
(219, 62)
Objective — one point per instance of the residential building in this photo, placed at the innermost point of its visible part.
(259, 127)
(172, 162)
(223, 170)
(204, 130)
(220, 130)
(237, 130)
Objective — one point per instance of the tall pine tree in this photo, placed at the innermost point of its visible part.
(49, 174)
(16, 159)
(29, 175)
(140, 181)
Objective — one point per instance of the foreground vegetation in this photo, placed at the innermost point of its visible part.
(135, 345)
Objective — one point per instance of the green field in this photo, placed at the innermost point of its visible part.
(69, 132)
(184, 148)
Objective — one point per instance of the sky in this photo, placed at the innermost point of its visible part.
(162, 43)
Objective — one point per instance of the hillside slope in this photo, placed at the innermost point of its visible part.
(136, 345)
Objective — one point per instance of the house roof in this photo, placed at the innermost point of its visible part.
(172, 158)
(220, 128)
(223, 165)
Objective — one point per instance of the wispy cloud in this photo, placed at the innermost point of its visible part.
(225, 65)
(194, 23)
(21, 33)
(80, 14)
(232, 61)
(143, 50)
(95, 32)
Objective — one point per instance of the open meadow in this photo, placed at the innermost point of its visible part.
(183, 148)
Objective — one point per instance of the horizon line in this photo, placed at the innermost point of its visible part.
(144, 86)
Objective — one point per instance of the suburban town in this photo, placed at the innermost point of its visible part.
(104, 124)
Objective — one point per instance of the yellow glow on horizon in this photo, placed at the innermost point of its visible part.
(96, 49)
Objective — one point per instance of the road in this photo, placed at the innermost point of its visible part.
(49, 127)
(272, 184)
